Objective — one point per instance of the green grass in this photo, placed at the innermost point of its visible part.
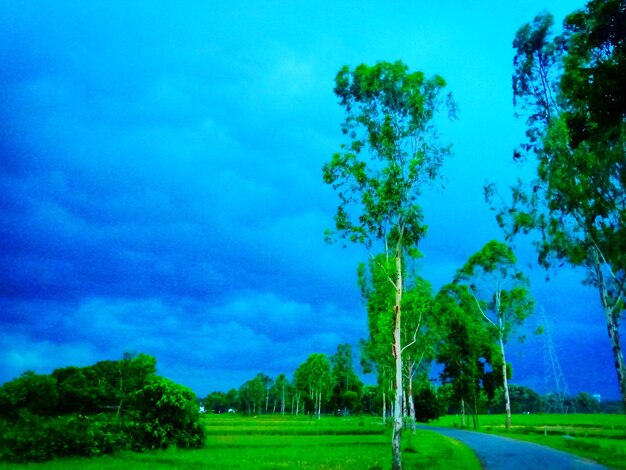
(235, 442)
(598, 437)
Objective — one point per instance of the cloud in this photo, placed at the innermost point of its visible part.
(160, 177)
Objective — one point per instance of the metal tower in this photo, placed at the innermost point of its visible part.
(556, 389)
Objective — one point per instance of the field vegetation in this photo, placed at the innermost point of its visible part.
(263, 442)
(600, 437)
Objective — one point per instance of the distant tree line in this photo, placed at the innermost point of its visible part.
(324, 385)
(109, 406)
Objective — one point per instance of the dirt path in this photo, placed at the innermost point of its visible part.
(497, 452)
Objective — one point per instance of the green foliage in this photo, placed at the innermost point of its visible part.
(347, 387)
(389, 119)
(93, 410)
(571, 89)
(314, 378)
(166, 414)
(523, 400)
(585, 403)
(252, 394)
(466, 349)
(40, 438)
(33, 393)
(428, 405)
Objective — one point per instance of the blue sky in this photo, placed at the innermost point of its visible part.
(161, 189)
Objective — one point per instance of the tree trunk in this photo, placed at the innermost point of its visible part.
(505, 380)
(475, 413)
(404, 406)
(612, 324)
(384, 408)
(396, 439)
(462, 412)
(411, 401)
(282, 402)
(319, 405)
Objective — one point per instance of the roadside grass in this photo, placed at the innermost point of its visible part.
(268, 442)
(599, 437)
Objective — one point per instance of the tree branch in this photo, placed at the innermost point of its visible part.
(480, 308)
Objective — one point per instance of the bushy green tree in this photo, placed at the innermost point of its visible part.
(165, 414)
(314, 379)
(466, 349)
(215, 402)
(252, 394)
(347, 387)
(33, 393)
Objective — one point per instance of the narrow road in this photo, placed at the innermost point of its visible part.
(497, 452)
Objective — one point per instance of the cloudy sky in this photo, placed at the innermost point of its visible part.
(161, 189)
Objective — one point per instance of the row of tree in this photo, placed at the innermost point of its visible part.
(570, 87)
(319, 384)
(343, 393)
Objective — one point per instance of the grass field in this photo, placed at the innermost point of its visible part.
(599, 437)
(269, 442)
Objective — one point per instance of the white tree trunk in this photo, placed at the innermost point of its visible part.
(319, 404)
(411, 401)
(396, 439)
(462, 412)
(384, 408)
(505, 380)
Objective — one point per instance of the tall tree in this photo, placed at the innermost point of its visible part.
(501, 294)
(393, 151)
(571, 89)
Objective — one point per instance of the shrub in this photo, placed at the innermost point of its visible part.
(35, 438)
(165, 414)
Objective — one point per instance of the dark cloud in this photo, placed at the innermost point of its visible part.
(160, 178)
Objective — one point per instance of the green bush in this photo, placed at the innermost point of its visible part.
(166, 414)
(96, 410)
(34, 438)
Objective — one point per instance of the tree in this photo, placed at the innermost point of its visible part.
(281, 389)
(571, 88)
(32, 392)
(216, 402)
(466, 350)
(167, 414)
(314, 378)
(252, 394)
(523, 400)
(585, 403)
(347, 388)
(73, 411)
(419, 339)
(379, 296)
(379, 175)
(501, 294)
